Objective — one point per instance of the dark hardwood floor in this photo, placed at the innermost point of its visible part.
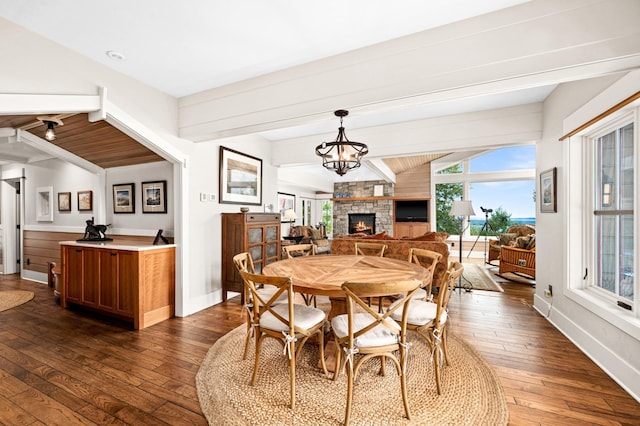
(67, 367)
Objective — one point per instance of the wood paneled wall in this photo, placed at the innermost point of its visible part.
(416, 181)
(42, 247)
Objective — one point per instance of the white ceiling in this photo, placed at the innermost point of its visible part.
(187, 46)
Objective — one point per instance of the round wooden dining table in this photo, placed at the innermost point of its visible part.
(324, 275)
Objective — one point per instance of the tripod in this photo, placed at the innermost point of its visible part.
(486, 226)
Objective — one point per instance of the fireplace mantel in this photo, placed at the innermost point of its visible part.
(385, 197)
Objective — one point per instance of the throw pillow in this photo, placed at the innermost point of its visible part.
(522, 242)
(316, 234)
(532, 242)
(322, 246)
(429, 236)
(506, 239)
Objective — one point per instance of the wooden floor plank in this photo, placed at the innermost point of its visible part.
(73, 367)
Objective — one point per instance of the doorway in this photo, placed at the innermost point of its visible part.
(11, 219)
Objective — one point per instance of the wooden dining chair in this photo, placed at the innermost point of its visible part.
(363, 333)
(428, 259)
(429, 320)
(297, 250)
(371, 249)
(244, 262)
(290, 324)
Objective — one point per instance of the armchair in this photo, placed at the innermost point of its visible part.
(508, 239)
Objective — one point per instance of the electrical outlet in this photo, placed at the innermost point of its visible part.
(549, 291)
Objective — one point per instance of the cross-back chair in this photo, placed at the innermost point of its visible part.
(429, 320)
(297, 250)
(427, 259)
(244, 262)
(290, 324)
(371, 249)
(371, 334)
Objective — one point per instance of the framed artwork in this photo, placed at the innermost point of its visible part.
(154, 197)
(85, 201)
(124, 198)
(286, 202)
(44, 204)
(240, 178)
(548, 199)
(64, 201)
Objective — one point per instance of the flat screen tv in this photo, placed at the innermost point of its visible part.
(412, 211)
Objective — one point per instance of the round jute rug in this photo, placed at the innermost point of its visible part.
(12, 298)
(472, 394)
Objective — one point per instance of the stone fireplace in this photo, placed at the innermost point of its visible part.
(364, 223)
(358, 198)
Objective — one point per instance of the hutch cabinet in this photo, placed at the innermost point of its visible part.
(256, 233)
(132, 282)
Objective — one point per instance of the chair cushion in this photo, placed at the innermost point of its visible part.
(420, 312)
(506, 239)
(267, 293)
(305, 317)
(378, 336)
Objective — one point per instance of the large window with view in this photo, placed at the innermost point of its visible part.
(613, 213)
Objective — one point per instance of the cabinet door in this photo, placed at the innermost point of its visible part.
(91, 282)
(128, 282)
(74, 281)
(108, 279)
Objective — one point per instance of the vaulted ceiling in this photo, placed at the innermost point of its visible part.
(97, 142)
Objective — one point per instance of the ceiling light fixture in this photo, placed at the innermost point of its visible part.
(342, 155)
(51, 123)
(116, 56)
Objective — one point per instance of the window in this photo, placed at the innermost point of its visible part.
(613, 213)
(511, 158)
(327, 215)
(306, 211)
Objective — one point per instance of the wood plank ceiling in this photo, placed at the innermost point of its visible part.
(97, 142)
(402, 164)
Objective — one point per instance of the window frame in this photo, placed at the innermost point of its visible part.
(580, 220)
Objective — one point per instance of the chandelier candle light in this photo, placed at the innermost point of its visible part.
(341, 155)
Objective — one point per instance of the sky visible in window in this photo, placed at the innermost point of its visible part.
(515, 197)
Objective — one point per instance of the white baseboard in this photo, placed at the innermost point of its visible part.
(616, 367)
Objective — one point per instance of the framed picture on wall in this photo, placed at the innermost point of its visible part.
(240, 178)
(154, 197)
(64, 201)
(286, 202)
(44, 204)
(548, 199)
(85, 201)
(124, 200)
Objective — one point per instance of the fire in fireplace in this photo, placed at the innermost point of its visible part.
(362, 223)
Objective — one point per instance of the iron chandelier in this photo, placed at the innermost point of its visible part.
(341, 155)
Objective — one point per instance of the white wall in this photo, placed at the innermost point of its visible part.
(205, 224)
(63, 177)
(139, 223)
(614, 350)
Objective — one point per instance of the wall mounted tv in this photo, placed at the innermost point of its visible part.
(412, 210)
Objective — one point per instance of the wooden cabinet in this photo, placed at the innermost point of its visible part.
(256, 233)
(135, 283)
(410, 229)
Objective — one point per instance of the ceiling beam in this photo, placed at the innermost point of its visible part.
(51, 149)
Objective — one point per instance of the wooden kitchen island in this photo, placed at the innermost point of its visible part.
(134, 282)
